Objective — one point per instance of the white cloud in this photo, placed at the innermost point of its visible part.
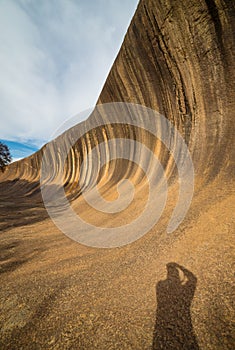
(15, 159)
(54, 58)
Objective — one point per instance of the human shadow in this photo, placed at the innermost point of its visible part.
(173, 328)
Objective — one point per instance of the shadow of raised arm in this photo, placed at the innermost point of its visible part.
(173, 329)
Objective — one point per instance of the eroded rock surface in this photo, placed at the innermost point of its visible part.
(178, 59)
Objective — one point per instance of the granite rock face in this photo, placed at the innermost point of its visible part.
(177, 58)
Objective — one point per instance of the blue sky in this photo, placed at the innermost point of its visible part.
(20, 150)
(54, 59)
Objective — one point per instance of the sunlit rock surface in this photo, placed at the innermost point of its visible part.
(178, 59)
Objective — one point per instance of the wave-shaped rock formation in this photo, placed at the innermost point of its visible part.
(177, 58)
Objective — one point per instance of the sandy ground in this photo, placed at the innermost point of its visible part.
(59, 294)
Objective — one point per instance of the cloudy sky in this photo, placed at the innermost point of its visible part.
(54, 58)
